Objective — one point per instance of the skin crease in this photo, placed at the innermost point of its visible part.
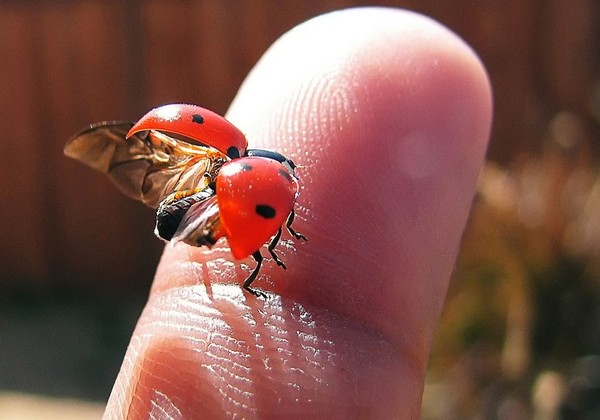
(388, 114)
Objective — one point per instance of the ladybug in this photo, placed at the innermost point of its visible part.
(253, 199)
(195, 168)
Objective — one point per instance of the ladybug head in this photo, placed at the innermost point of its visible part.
(270, 154)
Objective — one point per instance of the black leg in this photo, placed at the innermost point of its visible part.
(271, 248)
(288, 225)
(259, 259)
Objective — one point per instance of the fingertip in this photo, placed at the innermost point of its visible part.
(389, 112)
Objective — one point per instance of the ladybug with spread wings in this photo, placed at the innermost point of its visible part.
(195, 168)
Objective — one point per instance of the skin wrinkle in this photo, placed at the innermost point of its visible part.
(166, 352)
(303, 345)
(164, 408)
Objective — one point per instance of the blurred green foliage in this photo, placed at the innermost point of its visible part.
(524, 304)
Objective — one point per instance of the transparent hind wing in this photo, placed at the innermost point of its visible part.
(201, 224)
(149, 165)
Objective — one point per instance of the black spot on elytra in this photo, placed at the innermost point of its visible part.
(233, 153)
(198, 119)
(265, 211)
(246, 167)
(284, 173)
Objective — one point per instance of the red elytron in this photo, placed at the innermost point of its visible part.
(195, 167)
(195, 124)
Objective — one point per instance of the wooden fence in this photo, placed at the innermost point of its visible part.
(67, 63)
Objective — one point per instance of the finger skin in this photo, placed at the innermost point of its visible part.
(388, 114)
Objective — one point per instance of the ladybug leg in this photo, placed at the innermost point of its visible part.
(271, 247)
(288, 225)
(259, 259)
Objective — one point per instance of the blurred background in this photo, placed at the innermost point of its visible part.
(520, 335)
